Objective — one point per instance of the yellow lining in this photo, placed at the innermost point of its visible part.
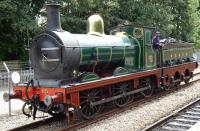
(81, 56)
(110, 54)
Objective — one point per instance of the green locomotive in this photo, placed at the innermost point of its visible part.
(130, 49)
(57, 55)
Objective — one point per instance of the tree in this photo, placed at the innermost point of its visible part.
(194, 22)
(153, 13)
(18, 24)
(76, 12)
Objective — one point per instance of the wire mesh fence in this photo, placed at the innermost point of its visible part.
(5, 78)
(15, 65)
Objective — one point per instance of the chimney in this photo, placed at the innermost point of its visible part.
(53, 16)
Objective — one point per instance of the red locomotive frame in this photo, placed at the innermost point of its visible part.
(69, 94)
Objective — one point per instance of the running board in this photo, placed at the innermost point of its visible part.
(118, 96)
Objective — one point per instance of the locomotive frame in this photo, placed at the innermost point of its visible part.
(70, 95)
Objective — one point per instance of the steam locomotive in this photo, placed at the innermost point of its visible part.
(82, 72)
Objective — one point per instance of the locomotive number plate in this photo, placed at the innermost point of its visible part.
(129, 61)
(151, 58)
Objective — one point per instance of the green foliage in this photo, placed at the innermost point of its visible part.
(18, 22)
(76, 12)
(147, 13)
(17, 25)
(194, 22)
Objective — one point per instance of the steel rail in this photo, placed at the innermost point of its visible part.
(30, 125)
(35, 124)
(166, 118)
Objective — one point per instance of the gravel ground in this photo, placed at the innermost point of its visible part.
(197, 70)
(16, 120)
(136, 118)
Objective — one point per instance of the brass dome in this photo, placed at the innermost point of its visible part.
(95, 25)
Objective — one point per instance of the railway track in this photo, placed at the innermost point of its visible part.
(104, 115)
(179, 120)
(35, 124)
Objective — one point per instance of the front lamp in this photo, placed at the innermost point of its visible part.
(15, 77)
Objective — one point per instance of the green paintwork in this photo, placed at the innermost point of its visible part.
(103, 53)
(130, 57)
(133, 62)
(145, 56)
(171, 54)
(120, 71)
(150, 55)
(89, 76)
(115, 48)
(137, 54)
(117, 53)
(86, 56)
(129, 47)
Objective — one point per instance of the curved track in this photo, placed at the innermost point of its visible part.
(104, 115)
(179, 120)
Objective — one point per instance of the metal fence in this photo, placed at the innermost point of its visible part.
(14, 65)
(5, 78)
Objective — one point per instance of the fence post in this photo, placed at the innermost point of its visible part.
(8, 71)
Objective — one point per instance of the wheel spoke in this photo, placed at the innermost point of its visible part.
(86, 97)
(117, 92)
(116, 88)
(124, 98)
(122, 101)
(97, 92)
(147, 82)
(83, 107)
(82, 102)
(84, 93)
(119, 89)
(93, 110)
(97, 97)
